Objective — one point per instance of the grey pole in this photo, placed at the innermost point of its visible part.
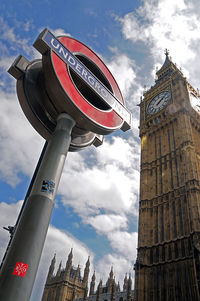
(20, 266)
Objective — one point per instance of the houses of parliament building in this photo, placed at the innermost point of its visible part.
(68, 285)
(167, 267)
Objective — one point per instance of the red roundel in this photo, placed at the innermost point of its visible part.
(103, 117)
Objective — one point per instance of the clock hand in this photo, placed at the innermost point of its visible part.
(159, 101)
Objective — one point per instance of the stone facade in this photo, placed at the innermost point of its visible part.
(67, 284)
(110, 291)
(168, 259)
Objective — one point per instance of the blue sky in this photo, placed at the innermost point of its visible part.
(96, 209)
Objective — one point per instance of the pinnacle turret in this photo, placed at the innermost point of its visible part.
(129, 289)
(69, 263)
(125, 286)
(59, 270)
(52, 267)
(92, 284)
(86, 271)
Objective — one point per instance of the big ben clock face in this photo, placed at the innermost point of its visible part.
(159, 102)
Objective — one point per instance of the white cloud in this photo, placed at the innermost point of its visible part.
(20, 145)
(121, 265)
(8, 216)
(106, 223)
(122, 68)
(167, 24)
(15, 41)
(118, 151)
(59, 32)
(57, 241)
(6, 62)
(106, 187)
(125, 243)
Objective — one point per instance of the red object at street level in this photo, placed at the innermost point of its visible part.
(20, 269)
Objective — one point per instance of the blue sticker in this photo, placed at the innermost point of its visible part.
(48, 186)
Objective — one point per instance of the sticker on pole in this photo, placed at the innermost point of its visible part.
(48, 186)
(20, 269)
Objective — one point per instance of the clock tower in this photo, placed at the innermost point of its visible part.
(168, 260)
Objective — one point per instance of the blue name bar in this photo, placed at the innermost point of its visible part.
(54, 44)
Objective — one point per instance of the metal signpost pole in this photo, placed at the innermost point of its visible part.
(72, 100)
(20, 266)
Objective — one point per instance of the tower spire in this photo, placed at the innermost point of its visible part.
(52, 267)
(69, 263)
(86, 271)
(59, 270)
(125, 283)
(92, 284)
(166, 52)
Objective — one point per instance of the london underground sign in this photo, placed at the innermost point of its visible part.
(75, 69)
(72, 100)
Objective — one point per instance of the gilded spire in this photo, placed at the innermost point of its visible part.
(167, 68)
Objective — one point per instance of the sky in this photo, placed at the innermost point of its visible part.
(96, 207)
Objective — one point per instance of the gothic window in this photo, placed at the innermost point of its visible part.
(57, 294)
(179, 284)
(164, 284)
(156, 171)
(176, 250)
(162, 223)
(174, 217)
(183, 248)
(151, 296)
(180, 218)
(151, 256)
(163, 253)
(157, 254)
(49, 296)
(165, 163)
(189, 246)
(156, 232)
(169, 252)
